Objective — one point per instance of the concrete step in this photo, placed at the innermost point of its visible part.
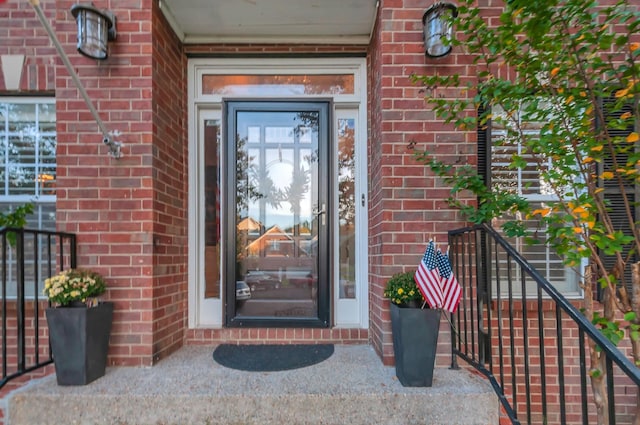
(351, 387)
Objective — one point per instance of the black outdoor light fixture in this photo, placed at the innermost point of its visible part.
(438, 29)
(95, 28)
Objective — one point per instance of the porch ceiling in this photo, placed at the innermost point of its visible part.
(271, 21)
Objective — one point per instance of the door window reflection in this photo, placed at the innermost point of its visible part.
(276, 213)
(346, 207)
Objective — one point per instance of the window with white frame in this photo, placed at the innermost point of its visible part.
(28, 162)
(529, 183)
(28, 169)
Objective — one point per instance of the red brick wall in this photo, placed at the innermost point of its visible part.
(170, 188)
(379, 317)
(406, 202)
(109, 202)
(33, 320)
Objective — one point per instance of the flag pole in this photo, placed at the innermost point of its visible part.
(114, 147)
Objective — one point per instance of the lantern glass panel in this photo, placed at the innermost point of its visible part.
(437, 31)
(92, 34)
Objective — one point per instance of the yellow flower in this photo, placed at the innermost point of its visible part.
(400, 291)
(633, 137)
(634, 46)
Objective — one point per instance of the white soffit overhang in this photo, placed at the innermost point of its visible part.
(272, 21)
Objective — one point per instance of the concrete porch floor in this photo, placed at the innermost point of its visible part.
(189, 387)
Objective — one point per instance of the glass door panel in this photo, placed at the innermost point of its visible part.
(279, 213)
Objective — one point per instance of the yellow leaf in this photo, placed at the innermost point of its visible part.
(587, 160)
(597, 148)
(607, 175)
(577, 229)
(625, 116)
(598, 190)
(542, 211)
(569, 100)
(622, 93)
(634, 46)
(591, 224)
(633, 137)
(554, 71)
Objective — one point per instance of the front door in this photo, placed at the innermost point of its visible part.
(277, 222)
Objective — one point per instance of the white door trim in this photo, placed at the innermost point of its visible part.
(208, 313)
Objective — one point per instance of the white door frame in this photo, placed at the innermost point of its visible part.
(208, 312)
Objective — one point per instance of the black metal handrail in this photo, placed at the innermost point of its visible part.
(534, 352)
(29, 256)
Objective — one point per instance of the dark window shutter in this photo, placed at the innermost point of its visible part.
(612, 192)
(484, 148)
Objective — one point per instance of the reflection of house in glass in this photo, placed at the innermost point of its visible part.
(276, 242)
(280, 253)
(250, 225)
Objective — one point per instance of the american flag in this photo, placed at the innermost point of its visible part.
(427, 278)
(451, 291)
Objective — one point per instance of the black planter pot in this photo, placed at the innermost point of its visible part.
(79, 338)
(415, 337)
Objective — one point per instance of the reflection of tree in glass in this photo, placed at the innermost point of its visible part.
(251, 184)
(27, 145)
(309, 120)
(346, 167)
(300, 178)
(331, 84)
(294, 193)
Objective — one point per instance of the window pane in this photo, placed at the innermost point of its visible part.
(22, 118)
(529, 182)
(212, 208)
(277, 85)
(347, 206)
(28, 170)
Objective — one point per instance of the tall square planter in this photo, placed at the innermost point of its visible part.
(79, 338)
(415, 337)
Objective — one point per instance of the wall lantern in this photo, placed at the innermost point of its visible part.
(95, 28)
(438, 29)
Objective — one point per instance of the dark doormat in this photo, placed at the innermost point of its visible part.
(270, 358)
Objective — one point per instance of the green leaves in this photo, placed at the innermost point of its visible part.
(542, 75)
(609, 328)
(15, 218)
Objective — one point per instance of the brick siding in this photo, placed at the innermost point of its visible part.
(130, 214)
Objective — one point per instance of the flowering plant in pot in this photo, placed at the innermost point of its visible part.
(74, 287)
(403, 291)
(415, 329)
(79, 325)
